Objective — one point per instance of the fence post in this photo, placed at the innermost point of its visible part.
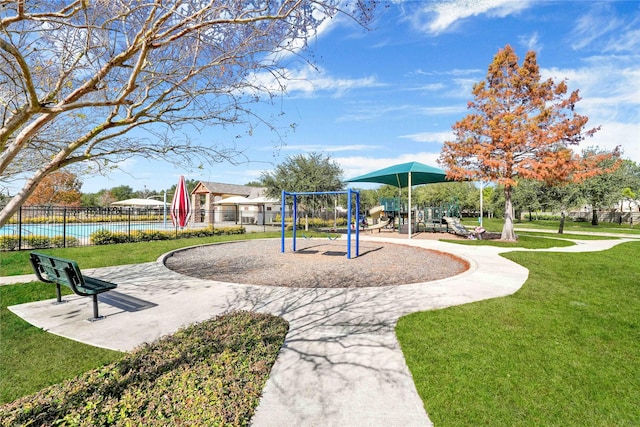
(64, 227)
(20, 228)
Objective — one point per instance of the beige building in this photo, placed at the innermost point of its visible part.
(215, 202)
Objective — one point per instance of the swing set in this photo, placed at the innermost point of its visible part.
(351, 226)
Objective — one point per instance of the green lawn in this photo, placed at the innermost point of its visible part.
(524, 241)
(562, 351)
(30, 358)
(495, 224)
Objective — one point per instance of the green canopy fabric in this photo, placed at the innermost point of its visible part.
(405, 175)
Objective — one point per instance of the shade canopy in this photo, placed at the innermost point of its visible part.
(404, 175)
(138, 202)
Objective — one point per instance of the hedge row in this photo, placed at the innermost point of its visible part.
(208, 374)
(313, 221)
(106, 237)
(10, 243)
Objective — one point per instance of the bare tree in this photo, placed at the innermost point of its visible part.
(92, 82)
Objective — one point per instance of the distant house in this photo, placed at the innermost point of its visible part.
(216, 202)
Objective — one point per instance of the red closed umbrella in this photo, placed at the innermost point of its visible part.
(181, 205)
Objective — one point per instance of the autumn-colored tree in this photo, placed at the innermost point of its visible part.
(520, 127)
(60, 188)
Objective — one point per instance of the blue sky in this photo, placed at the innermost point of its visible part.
(391, 94)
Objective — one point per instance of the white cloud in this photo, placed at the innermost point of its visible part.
(433, 137)
(601, 29)
(592, 26)
(628, 41)
(445, 109)
(369, 111)
(613, 134)
(309, 81)
(609, 87)
(435, 17)
(429, 87)
(329, 149)
(531, 42)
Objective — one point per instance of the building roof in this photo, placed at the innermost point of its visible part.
(220, 188)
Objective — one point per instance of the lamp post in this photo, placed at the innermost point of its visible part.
(481, 197)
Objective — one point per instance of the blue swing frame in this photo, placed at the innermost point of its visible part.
(350, 193)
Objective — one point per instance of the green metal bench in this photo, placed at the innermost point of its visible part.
(50, 269)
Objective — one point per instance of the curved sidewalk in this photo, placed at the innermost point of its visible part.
(340, 364)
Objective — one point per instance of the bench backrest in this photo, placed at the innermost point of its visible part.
(57, 270)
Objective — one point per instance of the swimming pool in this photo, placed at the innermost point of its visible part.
(79, 231)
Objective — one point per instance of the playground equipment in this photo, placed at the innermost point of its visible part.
(351, 226)
(423, 214)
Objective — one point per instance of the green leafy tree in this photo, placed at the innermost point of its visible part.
(313, 172)
(631, 191)
(604, 190)
(527, 197)
(368, 199)
(561, 198)
(122, 192)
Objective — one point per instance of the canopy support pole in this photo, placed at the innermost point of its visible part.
(409, 215)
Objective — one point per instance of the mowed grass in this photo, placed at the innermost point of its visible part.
(30, 358)
(524, 241)
(562, 351)
(495, 224)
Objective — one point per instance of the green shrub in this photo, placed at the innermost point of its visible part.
(102, 237)
(150, 235)
(208, 374)
(9, 243)
(58, 242)
(37, 242)
(106, 237)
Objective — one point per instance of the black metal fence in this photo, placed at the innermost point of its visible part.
(50, 226)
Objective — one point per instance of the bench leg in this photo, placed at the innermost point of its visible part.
(95, 309)
(58, 295)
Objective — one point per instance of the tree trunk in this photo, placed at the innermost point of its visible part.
(594, 216)
(561, 228)
(507, 230)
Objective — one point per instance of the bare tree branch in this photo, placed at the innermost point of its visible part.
(83, 75)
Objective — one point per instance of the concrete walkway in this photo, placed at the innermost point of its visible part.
(340, 364)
